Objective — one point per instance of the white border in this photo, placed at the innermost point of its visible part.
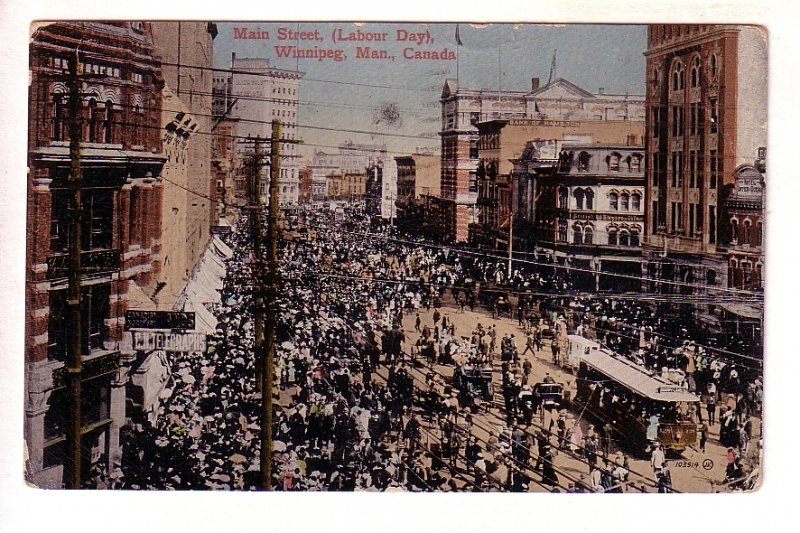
(769, 509)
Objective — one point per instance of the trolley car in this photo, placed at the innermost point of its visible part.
(640, 407)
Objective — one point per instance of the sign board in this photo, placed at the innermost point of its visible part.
(138, 319)
(668, 389)
(92, 262)
(220, 230)
(169, 341)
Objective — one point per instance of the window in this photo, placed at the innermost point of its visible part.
(712, 224)
(473, 149)
(699, 218)
(635, 163)
(695, 72)
(95, 310)
(109, 122)
(714, 119)
(677, 121)
(98, 207)
(677, 77)
(623, 238)
(759, 234)
(613, 162)
(692, 169)
(583, 161)
(60, 122)
(674, 169)
(474, 118)
(589, 199)
(654, 217)
(635, 237)
(577, 237)
(623, 202)
(713, 162)
(636, 200)
(588, 235)
(562, 198)
(562, 230)
(578, 193)
(656, 168)
(714, 66)
(680, 215)
(613, 200)
(94, 121)
(656, 122)
(691, 217)
(746, 227)
(612, 237)
(473, 182)
(673, 219)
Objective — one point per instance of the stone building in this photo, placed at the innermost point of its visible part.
(418, 181)
(463, 109)
(121, 86)
(590, 215)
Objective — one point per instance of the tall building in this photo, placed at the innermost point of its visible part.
(418, 181)
(463, 109)
(255, 94)
(121, 91)
(706, 116)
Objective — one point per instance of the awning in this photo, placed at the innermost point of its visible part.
(743, 310)
(151, 376)
(222, 249)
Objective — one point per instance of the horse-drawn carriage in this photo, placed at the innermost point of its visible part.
(474, 384)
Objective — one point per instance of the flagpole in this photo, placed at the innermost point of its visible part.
(458, 47)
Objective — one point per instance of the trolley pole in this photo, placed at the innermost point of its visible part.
(74, 363)
(273, 219)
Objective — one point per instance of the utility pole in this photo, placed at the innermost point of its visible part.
(271, 306)
(256, 234)
(510, 241)
(74, 365)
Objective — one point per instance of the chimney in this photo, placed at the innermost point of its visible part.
(534, 84)
(631, 139)
(601, 90)
(233, 58)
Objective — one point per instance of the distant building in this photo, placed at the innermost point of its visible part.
(706, 116)
(462, 109)
(255, 94)
(305, 187)
(351, 158)
(418, 181)
(381, 194)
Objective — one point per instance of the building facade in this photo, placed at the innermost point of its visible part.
(706, 116)
(418, 181)
(463, 109)
(501, 142)
(590, 215)
(253, 96)
(120, 83)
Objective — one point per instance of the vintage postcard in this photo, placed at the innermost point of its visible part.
(389, 257)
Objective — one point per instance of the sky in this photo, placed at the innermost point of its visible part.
(495, 56)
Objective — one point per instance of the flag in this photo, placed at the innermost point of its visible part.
(458, 37)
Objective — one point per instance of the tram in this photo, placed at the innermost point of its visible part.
(640, 407)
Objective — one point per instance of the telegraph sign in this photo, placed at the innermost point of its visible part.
(146, 341)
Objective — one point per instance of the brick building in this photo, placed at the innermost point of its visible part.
(121, 87)
(706, 116)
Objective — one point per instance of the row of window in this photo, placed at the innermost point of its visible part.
(584, 199)
(696, 118)
(677, 79)
(613, 160)
(284, 90)
(584, 234)
(676, 220)
(696, 169)
(743, 234)
(283, 113)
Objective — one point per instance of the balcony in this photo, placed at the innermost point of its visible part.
(92, 262)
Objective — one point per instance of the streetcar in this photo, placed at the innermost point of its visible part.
(639, 407)
(577, 348)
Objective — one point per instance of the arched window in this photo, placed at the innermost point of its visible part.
(746, 226)
(583, 161)
(733, 273)
(612, 236)
(624, 238)
(636, 202)
(589, 199)
(695, 72)
(734, 231)
(747, 275)
(714, 66)
(677, 76)
(578, 194)
(577, 235)
(759, 234)
(613, 162)
(613, 201)
(635, 237)
(109, 122)
(562, 198)
(623, 202)
(94, 121)
(588, 235)
(60, 128)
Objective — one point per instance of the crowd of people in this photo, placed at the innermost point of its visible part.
(355, 411)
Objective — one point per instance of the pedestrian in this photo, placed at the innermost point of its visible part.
(703, 430)
(711, 409)
(417, 323)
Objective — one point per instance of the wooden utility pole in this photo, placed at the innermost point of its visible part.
(510, 242)
(256, 175)
(74, 363)
(271, 306)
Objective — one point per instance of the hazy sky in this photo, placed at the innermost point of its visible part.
(591, 56)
